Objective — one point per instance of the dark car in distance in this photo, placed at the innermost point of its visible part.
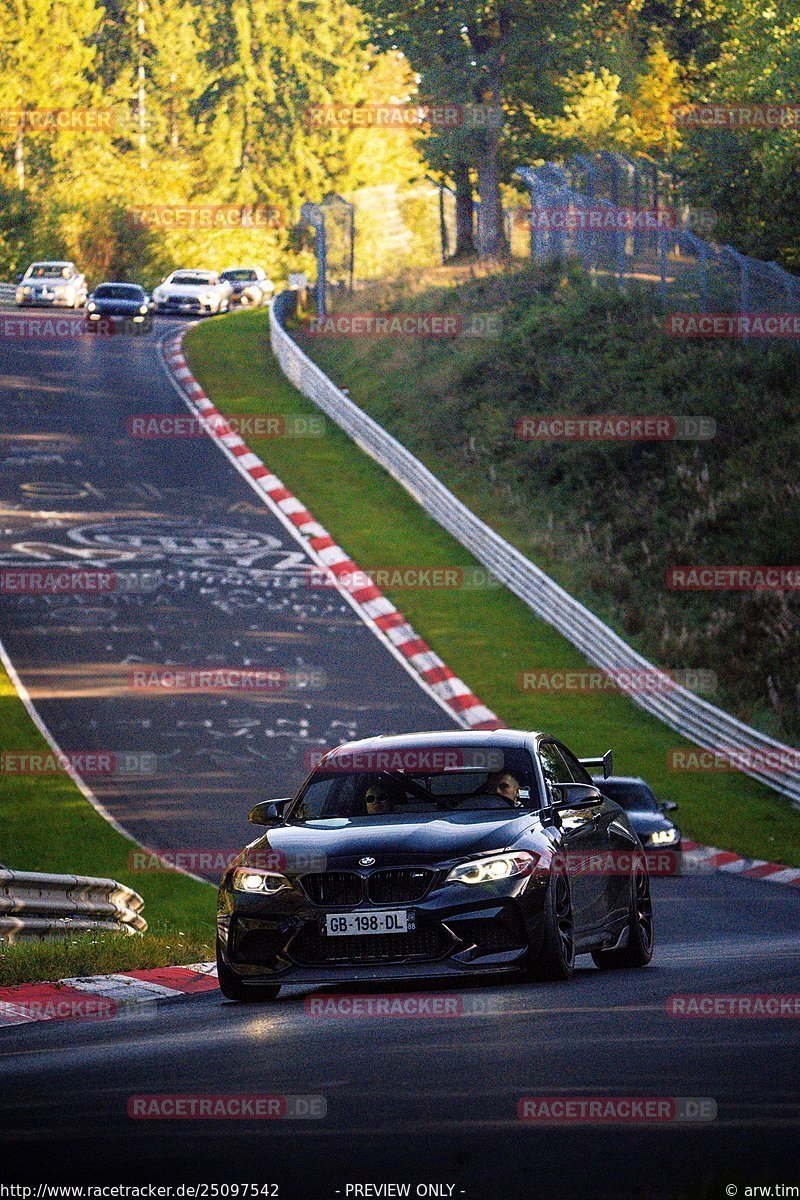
(648, 816)
(119, 308)
(435, 855)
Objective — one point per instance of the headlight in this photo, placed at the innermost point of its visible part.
(143, 310)
(266, 883)
(663, 837)
(26, 290)
(91, 306)
(497, 866)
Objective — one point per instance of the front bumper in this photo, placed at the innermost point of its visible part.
(32, 301)
(280, 940)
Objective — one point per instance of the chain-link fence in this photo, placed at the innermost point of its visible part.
(626, 221)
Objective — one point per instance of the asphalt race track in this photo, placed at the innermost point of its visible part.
(208, 577)
(422, 1100)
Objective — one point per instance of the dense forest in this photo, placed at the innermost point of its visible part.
(214, 102)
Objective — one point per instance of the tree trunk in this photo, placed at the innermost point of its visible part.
(19, 159)
(465, 242)
(491, 228)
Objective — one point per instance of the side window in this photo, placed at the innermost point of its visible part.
(554, 768)
(579, 773)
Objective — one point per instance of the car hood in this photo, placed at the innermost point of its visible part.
(646, 821)
(119, 306)
(50, 281)
(341, 842)
(189, 290)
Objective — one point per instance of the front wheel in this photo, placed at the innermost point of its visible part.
(557, 957)
(232, 987)
(639, 950)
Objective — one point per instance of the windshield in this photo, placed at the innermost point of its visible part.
(631, 796)
(48, 271)
(118, 291)
(244, 274)
(192, 279)
(386, 795)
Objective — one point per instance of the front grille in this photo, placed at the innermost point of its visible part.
(313, 946)
(405, 885)
(334, 887)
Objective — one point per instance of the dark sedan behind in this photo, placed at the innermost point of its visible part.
(119, 308)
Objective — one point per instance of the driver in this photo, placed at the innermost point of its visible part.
(503, 783)
(378, 800)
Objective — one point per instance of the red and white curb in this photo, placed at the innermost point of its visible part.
(99, 997)
(375, 609)
(698, 859)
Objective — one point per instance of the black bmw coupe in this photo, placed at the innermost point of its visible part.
(435, 855)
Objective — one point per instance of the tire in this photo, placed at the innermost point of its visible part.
(639, 950)
(557, 957)
(232, 987)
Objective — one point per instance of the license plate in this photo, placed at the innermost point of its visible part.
(398, 920)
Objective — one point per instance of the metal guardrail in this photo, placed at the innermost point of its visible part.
(34, 905)
(688, 714)
(8, 293)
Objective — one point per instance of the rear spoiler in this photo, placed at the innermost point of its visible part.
(594, 764)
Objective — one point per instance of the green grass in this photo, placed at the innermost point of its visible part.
(487, 637)
(47, 825)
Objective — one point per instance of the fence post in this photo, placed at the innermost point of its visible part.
(662, 264)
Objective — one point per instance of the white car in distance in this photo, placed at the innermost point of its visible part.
(198, 293)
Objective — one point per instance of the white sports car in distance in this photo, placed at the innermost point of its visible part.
(199, 293)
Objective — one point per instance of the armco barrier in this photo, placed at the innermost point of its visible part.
(694, 718)
(34, 905)
(8, 292)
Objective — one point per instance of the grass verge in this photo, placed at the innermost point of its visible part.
(47, 825)
(487, 637)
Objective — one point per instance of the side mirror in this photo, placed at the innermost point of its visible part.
(578, 795)
(669, 806)
(268, 812)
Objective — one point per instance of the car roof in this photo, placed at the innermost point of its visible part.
(621, 779)
(53, 262)
(457, 737)
(119, 283)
